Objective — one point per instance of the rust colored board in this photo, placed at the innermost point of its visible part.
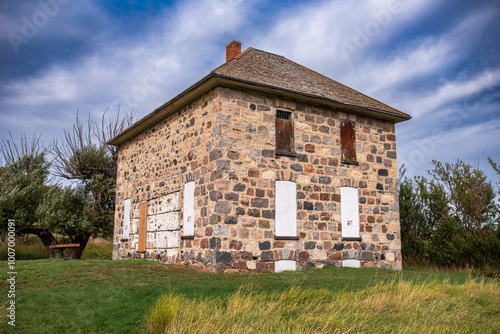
(65, 246)
(284, 136)
(348, 141)
(143, 222)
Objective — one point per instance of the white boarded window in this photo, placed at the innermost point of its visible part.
(349, 208)
(126, 219)
(286, 209)
(282, 265)
(189, 209)
(351, 263)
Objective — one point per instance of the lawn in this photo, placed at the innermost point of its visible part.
(103, 296)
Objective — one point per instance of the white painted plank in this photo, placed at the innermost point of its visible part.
(351, 263)
(282, 265)
(286, 209)
(349, 208)
(126, 219)
(163, 204)
(188, 228)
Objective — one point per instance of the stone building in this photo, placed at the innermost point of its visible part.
(262, 165)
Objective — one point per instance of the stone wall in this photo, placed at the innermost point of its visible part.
(151, 167)
(225, 142)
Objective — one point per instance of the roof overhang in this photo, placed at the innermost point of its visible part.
(215, 79)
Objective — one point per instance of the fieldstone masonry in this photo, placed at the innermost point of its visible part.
(224, 141)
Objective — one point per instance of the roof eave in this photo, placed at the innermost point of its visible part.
(242, 83)
(215, 79)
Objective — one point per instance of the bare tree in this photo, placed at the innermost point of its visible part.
(83, 154)
(44, 208)
(111, 128)
(20, 153)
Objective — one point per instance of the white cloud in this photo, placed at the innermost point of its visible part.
(424, 58)
(140, 74)
(317, 35)
(469, 142)
(460, 90)
(187, 41)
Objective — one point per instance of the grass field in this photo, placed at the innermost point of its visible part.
(129, 296)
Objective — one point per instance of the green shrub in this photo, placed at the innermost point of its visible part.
(28, 247)
(450, 219)
(98, 249)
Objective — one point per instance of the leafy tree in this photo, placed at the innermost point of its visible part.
(496, 168)
(450, 218)
(47, 209)
(414, 229)
(470, 196)
(494, 165)
(63, 211)
(23, 186)
(84, 156)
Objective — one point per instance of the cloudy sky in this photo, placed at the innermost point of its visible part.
(438, 60)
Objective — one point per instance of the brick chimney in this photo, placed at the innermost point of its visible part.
(232, 50)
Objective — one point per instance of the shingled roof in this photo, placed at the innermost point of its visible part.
(270, 69)
(260, 70)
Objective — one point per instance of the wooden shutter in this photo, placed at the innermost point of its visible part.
(284, 133)
(143, 226)
(348, 141)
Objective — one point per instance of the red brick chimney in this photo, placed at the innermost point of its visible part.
(232, 50)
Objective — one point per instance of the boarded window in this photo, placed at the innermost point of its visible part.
(349, 208)
(126, 219)
(188, 209)
(143, 226)
(284, 133)
(348, 141)
(351, 263)
(286, 209)
(282, 265)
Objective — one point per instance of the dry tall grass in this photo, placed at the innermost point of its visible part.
(396, 307)
(3, 311)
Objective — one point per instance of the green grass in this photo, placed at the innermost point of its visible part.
(102, 296)
(397, 307)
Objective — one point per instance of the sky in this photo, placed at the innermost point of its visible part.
(437, 60)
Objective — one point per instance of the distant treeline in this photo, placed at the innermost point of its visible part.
(450, 218)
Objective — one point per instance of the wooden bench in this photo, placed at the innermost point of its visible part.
(62, 247)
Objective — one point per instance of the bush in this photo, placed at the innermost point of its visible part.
(28, 247)
(450, 219)
(98, 249)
